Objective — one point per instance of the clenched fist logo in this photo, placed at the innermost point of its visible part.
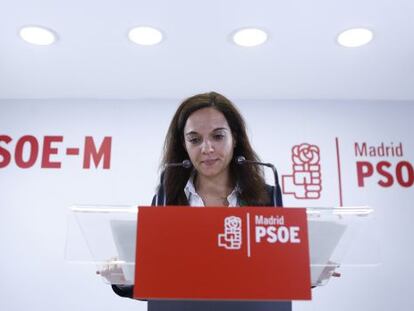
(305, 181)
(232, 236)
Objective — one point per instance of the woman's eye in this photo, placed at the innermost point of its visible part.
(194, 140)
(218, 136)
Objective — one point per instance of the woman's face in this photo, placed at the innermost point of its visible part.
(209, 142)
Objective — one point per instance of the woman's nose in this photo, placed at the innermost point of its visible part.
(207, 146)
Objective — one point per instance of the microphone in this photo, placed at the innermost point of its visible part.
(277, 200)
(185, 164)
(162, 189)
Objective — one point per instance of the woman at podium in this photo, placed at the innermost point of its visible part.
(204, 159)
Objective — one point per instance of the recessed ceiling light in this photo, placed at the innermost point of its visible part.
(37, 35)
(249, 37)
(355, 37)
(145, 35)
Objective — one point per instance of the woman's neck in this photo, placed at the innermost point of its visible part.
(219, 186)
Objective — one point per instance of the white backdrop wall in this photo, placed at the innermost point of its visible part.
(34, 200)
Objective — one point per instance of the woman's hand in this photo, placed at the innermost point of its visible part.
(112, 272)
(327, 273)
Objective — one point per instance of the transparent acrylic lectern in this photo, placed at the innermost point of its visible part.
(105, 236)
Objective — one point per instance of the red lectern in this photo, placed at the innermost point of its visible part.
(222, 254)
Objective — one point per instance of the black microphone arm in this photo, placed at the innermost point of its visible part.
(277, 200)
(162, 188)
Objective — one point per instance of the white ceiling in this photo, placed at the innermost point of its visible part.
(94, 59)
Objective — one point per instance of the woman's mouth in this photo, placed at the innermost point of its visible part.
(209, 162)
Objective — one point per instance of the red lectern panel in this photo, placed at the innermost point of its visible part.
(247, 253)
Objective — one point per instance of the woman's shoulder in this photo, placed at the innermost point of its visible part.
(270, 190)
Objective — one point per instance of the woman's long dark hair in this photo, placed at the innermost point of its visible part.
(250, 178)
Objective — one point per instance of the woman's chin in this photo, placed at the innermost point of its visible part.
(209, 172)
(206, 173)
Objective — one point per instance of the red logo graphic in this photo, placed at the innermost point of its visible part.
(305, 181)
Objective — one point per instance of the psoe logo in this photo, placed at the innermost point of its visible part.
(305, 182)
(232, 236)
